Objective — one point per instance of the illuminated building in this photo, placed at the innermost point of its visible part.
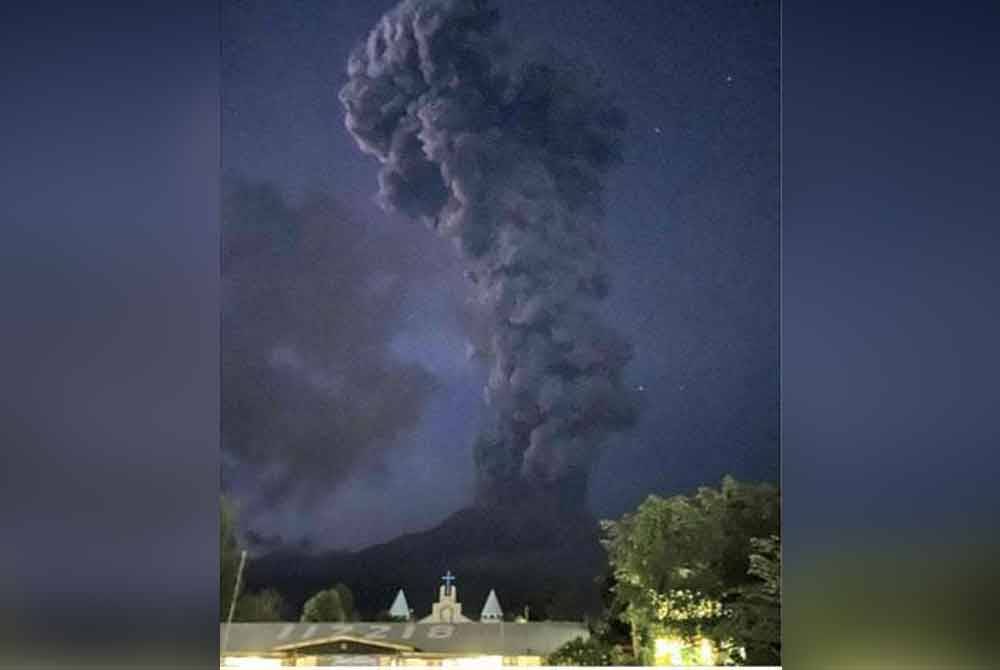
(445, 638)
(469, 645)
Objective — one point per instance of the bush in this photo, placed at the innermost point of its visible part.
(593, 651)
(336, 604)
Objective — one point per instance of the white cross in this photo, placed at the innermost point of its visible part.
(448, 579)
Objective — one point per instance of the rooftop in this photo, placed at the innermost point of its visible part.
(504, 639)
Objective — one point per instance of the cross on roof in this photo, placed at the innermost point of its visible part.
(448, 579)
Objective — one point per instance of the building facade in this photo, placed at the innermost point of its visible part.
(474, 644)
(445, 638)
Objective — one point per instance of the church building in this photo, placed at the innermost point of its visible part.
(447, 609)
(446, 637)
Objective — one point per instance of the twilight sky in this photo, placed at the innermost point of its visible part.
(373, 345)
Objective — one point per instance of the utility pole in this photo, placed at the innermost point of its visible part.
(232, 606)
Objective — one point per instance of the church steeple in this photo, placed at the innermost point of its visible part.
(448, 579)
(400, 608)
(491, 610)
(447, 609)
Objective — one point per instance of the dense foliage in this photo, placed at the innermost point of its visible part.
(336, 604)
(756, 607)
(702, 565)
(594, 651)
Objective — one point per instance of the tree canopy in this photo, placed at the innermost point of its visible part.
(702, 565)
(335, 604)
(756, 608)
(594, 651)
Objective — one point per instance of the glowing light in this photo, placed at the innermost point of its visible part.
(474, 662)
(679, 652)
(251, 662)
(706, 654)
(668, 651)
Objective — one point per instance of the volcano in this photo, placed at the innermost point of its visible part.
(508, 160)
(547, 559)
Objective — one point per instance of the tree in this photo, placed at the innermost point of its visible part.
(594, 651)
(229, 555)
(756, 607)
(609, 636)
(346, 602)
(266, 605)
(612, 625)
(336, 604)
(682, 564)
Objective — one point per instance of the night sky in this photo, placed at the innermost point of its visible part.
(692, 221)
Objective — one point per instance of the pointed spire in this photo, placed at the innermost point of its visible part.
(400, 608)
(491, 610)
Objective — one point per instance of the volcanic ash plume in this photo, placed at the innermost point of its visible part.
(511, 166)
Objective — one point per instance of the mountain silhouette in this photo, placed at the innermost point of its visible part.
(547, 559)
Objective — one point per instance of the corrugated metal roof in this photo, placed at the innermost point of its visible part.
(502, 639)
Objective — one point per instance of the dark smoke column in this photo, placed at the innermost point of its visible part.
(511, 166)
